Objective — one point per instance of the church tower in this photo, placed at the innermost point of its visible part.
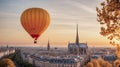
(77, 48)
(48, 46)
(77, 36)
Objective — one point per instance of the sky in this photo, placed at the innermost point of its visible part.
(62, 29)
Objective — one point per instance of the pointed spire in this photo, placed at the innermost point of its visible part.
(48, 46)
(77, 37)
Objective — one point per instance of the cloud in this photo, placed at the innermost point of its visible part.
(5, 15)
(81, 6)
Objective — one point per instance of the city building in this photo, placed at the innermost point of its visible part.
(6, 51)
(77, 47)
(44, 61)
(110, 58)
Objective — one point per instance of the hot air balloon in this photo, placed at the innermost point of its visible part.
(35, 21)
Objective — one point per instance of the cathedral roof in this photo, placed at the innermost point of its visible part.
(72, 45)
(81, 45)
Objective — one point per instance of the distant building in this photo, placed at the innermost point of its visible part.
(77, 47)
(95, 57)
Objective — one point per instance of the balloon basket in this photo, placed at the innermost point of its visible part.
(35, 41)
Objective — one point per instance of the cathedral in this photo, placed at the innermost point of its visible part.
(77, 47)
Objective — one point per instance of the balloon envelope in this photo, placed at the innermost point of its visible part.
(35, 21)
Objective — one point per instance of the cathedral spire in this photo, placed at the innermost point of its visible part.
(48, 46)
(77, 37)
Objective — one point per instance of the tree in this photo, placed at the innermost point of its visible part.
(109, 19)
(7, 63)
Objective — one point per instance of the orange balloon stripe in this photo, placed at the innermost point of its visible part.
(32, 24)
(41, 16)
(25, 22)
(36, 19)
(43, 24)
(40, 20)
(46, 23)
(29, 21)
(36, 24)
(37, 15)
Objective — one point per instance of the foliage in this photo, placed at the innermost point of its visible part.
(7, 63)
(109, 18)
(98, 63)
(117, 63)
